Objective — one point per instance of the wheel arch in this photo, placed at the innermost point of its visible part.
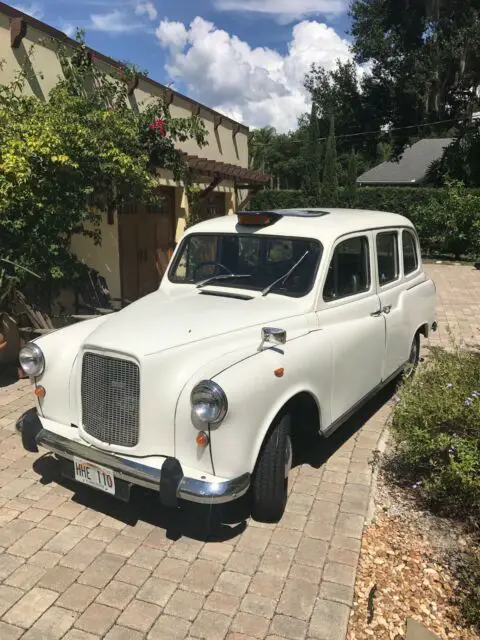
(298, 404)
(423, 330)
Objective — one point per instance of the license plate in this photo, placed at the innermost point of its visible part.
(94, 475)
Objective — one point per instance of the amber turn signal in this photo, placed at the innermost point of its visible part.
(279, 372)
(202, 439)
(40, 391)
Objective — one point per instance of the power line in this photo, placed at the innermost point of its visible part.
(370, 133)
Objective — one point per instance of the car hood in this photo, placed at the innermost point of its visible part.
(161, 321)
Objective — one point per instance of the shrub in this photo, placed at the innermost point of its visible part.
(436, 428)
(447, 219)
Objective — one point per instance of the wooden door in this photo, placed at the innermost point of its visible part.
(214, 205)
(147, 239)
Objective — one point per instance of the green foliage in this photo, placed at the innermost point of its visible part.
(259, 145)
(281, 199)
(330, 179)
(283, 156)
(451, 223)
(436, 432)
(436, 429)
(423, 60)
(351, 187)
(461, 159)
(64, 161)
(312, 183)
(447, 219)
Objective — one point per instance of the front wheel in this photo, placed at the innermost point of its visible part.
(270, 479)
(413, 359)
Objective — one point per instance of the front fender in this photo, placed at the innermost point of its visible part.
(60, 349)
(256, 395)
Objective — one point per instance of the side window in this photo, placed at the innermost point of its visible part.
(387, 257)
(349, 270)
(410, 256)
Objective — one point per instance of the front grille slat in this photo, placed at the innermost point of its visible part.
(110, 399)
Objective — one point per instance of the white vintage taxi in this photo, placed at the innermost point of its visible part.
(264, 322)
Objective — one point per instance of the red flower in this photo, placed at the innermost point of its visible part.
(159, 125)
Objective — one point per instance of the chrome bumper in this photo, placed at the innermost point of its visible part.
(184, 488)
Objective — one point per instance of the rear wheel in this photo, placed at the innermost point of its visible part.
(413, 358)
(270, 479)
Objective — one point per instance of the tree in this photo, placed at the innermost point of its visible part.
(351, 187)
(461, 159)
(312, 183)
(330, 181)
(355, 103)
(259, 145)
(64, 161)
(423, 57)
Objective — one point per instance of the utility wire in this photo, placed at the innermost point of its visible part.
(370, 133)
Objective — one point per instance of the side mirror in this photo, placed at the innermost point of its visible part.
(273, 334)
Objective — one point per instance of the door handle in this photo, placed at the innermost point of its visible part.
(386, 309)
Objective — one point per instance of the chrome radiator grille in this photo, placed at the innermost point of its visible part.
(110, 399)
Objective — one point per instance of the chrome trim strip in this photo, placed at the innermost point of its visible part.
(189, 489)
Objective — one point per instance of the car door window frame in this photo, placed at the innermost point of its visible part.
(392, 283)
(322, 302)
(416, 242)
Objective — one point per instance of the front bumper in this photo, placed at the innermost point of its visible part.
(169, 481)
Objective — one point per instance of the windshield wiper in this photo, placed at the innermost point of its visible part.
(286, 276)
(222, 276)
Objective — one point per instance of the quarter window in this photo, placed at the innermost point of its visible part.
(387, 257)
(410, 256)
(349, 270)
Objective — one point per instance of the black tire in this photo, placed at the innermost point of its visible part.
(270, 479)
(414, 358)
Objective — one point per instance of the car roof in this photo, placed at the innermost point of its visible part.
(326, 224)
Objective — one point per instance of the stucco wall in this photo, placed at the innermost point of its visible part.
(37, 54)
(105, 257)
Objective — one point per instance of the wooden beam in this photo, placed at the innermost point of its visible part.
(169, 97)
(18, 30)
(235, 129)
(196, 109)
(217, 120)
(211, 187)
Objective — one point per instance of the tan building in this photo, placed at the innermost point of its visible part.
(136, 244)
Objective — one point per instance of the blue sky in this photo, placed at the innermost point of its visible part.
(246, 58)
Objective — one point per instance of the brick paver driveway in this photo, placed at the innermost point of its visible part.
(77, 565)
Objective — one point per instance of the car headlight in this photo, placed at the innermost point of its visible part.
(209, 402)
(32, 359)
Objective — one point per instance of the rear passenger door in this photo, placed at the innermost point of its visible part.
(391, 287)
(349, 316)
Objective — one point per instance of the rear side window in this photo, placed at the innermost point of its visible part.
(349, 270)
(410, 255)
(387, 257)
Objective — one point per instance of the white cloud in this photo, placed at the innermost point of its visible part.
(258, 86)
(146, 9)
(172, 35)
(68, 29)
(115, 21)
(34, 9)
(285, 10)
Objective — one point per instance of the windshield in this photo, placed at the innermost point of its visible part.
(248, 262)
